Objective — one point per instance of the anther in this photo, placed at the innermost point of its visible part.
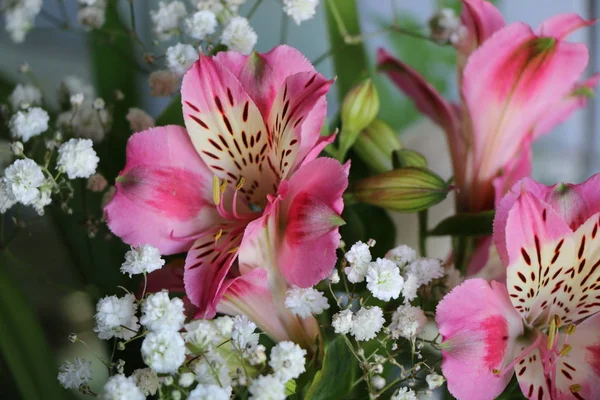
(497, 372)
(218, 234)
(565, 350)
(552, 333)
(223, 186)
(233, 249)
(575, 388)
(215, 190)
(240, 183)
(570, 329)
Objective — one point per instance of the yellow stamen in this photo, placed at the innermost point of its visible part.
(215, 190)
(496, 371)
(575, 388)
(565, 350)
(240, 183)
(218, 234)
(223, 186)
(558, 321)
(233, 250)
(570, 329)
(552, 333)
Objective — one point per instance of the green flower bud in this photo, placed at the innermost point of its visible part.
(375, 146)
(409, 158)
(359, 109)
(406, 190)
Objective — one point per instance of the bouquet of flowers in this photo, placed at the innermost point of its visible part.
(239, 246)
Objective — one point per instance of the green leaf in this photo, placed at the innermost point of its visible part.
(465, 224)
(22, 342)
(335, 379)
(349, 60)
(172, 114)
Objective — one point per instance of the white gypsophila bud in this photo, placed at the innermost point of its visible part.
(378, 368)
(168, 17)
(402, 255)
(72, 85)
(168, 380)
(163, 83)
(73, 375)
(97, 183)
(267, 387)
(378, 382)
(147, 380)
(434, 380)
(163, 351)
(91, 17)
(366, 323)
(404, 394)
(76, 99)
(243, 335)
(77, 158)
(17, 148)
(142, 259)
(119, 366)
(139, 120)
(287, 360)
(24, 94)
(258, 355)
(23, 179)
(384, 280)
(446, 27)
(239, 36)
(28, 123)
(175, 395)
(160, 313)
(342, 322)
(359, 257)
(115, 317)
(180, 57)
(187, 379)
(305, 301)
(300, 10)
(210, 392)
(99, 104)
(201, 24)
(120, 387)
(334, 277)
(407, 322)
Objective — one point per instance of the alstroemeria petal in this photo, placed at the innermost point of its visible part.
(163, 193)
(560, 26)
(579, 370)
(482, 19)
(530, 371)
(262, 75)
(250, 295)
(479, 327)
(207, 264)
(517, 169)
(512, 71)
(227, 129)
(541, 252)
(310, 214)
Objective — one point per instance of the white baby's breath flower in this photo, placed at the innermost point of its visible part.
(214, 6)
(77, 158)
(160, 313)
(384, 280)
(239, 36)
(287, 360)
(267, 387)
(120, 387)
(243, 335)
(44, 198)
(201, 24)
(72, 85)
(305, 301)
(23, 179)
(26, 124)
(342, 322)
(211, 369)
(76, 99)
(115, 317)
(434, 380)
(404, 394)
(99, 104)
(142, 259)
(168, 17)
(147, 380)
(300, 10)
(25, 95)
(446, 27)
(180, 57)
(426, 269)
(378, 382)
(367, 322)
(163, 83)
(210, 392)
(187, 379)
(334, 277)
(19, 17)
(7, 200)
(72, 375)
(163, 351)
(411, 285)
(85, 121)
(202, 333)
(91, 17)
(402, 255)
(139, 120)
(407, 322)
(359, 257)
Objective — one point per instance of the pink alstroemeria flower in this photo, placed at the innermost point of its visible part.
(544, 324)
(516, 84)
(240, 190)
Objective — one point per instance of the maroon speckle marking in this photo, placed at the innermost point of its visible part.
(522, 277)
(193, 107)
(211, 155)
(199, 121)
(219, 105)
(215, 144)
(244, 139)
(544, 215)
(230, 96)
(526, 256)
(310, 81)
(228, 125)
(581, 265)
(581, 248)
(245, 112)
(592, 270)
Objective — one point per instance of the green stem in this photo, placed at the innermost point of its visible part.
(283, 34)
(253, 9)
(322, 57)
(423, 218)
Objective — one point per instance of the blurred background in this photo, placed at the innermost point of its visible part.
(48, 273)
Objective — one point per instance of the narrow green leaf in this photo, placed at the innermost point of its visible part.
(465, 224)
(22, 342)
(334, 380)
(349, 60)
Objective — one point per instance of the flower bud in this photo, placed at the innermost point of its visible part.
(359, 109)
(375, 145)
(17, 148)
(405, 190)
(409, 158)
